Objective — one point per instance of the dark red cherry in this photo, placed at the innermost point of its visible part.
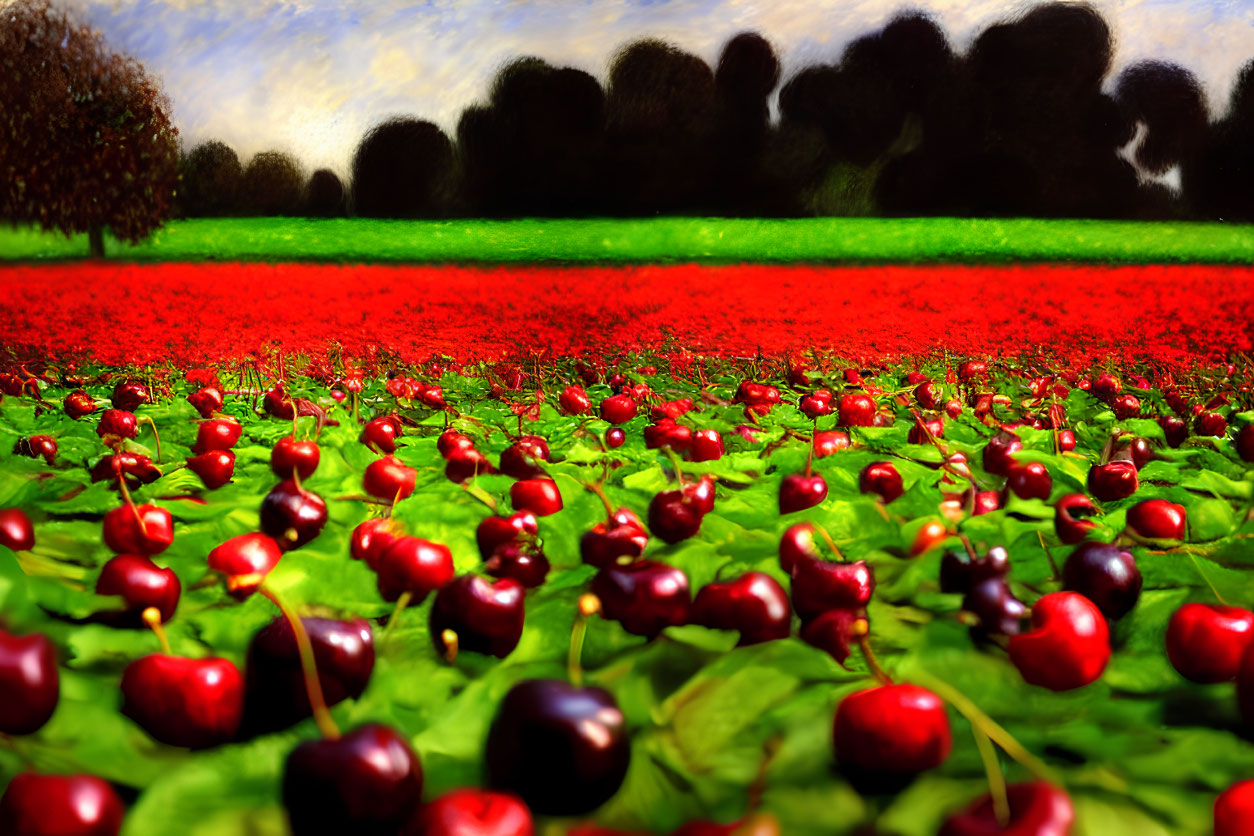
(494, 532)
(291, 456)
(1234, 809)
(621, 538)
(882, 479)
(29, 681)
(1113, 480)
(1175, 431)
(1206, 642)
(1244, 443)
(519, 561)
(645, 597)
(525, 457)
(822, 585)
(564, 750)
(380, 434)
(668, 434)
(371, 539)
(472, 812)
(814, 406)
(79, 404)
(217, 434)
(368, 781)
(1036, 809)
(138, 529)
(539, 496)
(1068, 646)
(856, 410)
(618, 409)
(278, 404)
(206, 401)
(487, 616)
(674, 516)
(413, 565)
(928, 395)
(574, 400)
(999, 452)
(245, 561)
(798, 492)
(142, 584)
(1210, 424)
(1066, 441)
(834, 631)
(1030, 481)
(129, 395)
(972, 369)
(934, 428)
(1071, 513)
(959, 573)
(1157, 519)
(701, 493)
(214, 468)
(895, 729)
(671, 409)
(16, 531)
(753, 604)
(615, 438)
(136, 469)
(1105, 574)
(60, 805)
(451, 441)
(276, 697)
(828, 442)
(797, 545)
(985, 502)
(389, 479)
(37, 446)
(998, 610)
(118, 423)
(194, 703)
(1126, 406)
(292, 514)
(1138, 451)
(467, 463)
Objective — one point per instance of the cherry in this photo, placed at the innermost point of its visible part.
(928, 535)
(822, 585)
(928, 395)
(615, 438)
(389, 479)
(129, 395)
(1126, 406)
(675, 516)
(796, 546)
(828, 442)
(754, 604)
(972, 369)
(958, 573)
(645, 597)
(60, 805)
(671, 409)
(1205, 642)
(934, 428)
(380, 434)
(486, 616)
(574, 400)
(472, 812)
(117, 422)
(217, 434)
(37, 446)
(1157, 519)
(365, 782)
(245, 560)
(1244, 443)
(667, 434)
(1210, 424)
(1068, 646)
(881, 478)
(1030, 481)
(985, 502)
(521, 460)
(998, 610)
(999, 452)
(1105, 386)
(799, 491)
(142, 584)
(1113, 480)
(519, 561)
(214, 468)
(195, 703)
(138, 529)
(78, 404)
(707, 446)
(136, 469)
(564, 750)
(701, 493)
(1175, 431)
(1070, 517)
(451, 441)
(621, 538)
(466, 463)
(413, 565)
(1036, 809)
(29, 681)
(278, 405)
(16, 531)
(953, 408)
(1105, 574)
(370, 539)
(757, 397)
(856, 410)
(292, 515)
(816, 406)
(206, 401)
(1066, 441)
(618, 409)
(291, 456)
(276, 697)
(1234, 809)
(539, 496)
(494, 532)
(1138, 451)
(834, 631)
(897, 729)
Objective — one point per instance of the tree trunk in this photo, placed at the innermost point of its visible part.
(95, 241)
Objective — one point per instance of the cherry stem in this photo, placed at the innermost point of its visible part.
(125, 491)
(810, 452)
(1053, 566)
(401, 604)
(155, 434)
(966, 542)
(597, 489)
(589, 605)
(871, 662)
(1214, 591)
(831, 544)
(152, 617)
(295, 415)
(679, 473)
(996, 779)
(309, 667)
(449, 637)
(481, 495)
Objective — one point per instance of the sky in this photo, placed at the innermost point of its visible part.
(309, 77)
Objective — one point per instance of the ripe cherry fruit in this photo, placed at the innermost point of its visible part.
(389, 479)
(29, 681)
(1206, 642)
(483, 616)
(1234, 809)
(60, 805)
(292, 514)
(194, 703)
(291, 456)
(472, 812)
(16, 531)
(621, 538)
(1036, 809)
(217, 434)
(882, 479)
(1071, 513)
(1157, 519)
(539, 496)
(370, 539)
(214, 468)
(245, 561)
(799, 491)
(856, 410)
(897, 729)
(1113, 480)
(1068, 646)
(645, 597)
(1105, 574)
(142, 584)
(413, 565)
(753, 604)
(138, 529)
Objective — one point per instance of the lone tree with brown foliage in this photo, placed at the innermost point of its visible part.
(85, 136)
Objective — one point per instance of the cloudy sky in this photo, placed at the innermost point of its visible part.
(310, 76)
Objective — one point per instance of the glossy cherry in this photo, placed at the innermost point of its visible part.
(564, 750)
(37, 446)
(60, 805)
(753, 604)
(1157, 519)
(999, 452)
(615, 438)
(487, 616)
(1113, 480)
(1030, 480)
(645, 597)
(1210, 424)
(1068, 646)
(371, 538)
(797, 544)
(835, 631)
(369, 781)
(998, 610)
(827, 442)
(466, 463)
(707, 446)
(206, 401)
(1071, 517)
(217, 434)
(668, 434)
(1066, 441)
(380, 434)
(389, 478)
(413, 565)
(16, 531)
(539, 496)
(1106, 574)
(135, 468)
(1138, 451)
(142, 584)
(799, 491)
(451, 441)
(822, 585)
(618, 409)
(138, 529)
(245, 561)
(1175, 431)
(29, 680)
(524, 459)
(675, 516)
(194, 703)
(291, 456)
(129, 395)
(1036, 809)
(496, 531)
(472, 812)
(117, 423)
(959, 573)
(1234, 809)
(882, 479)
(897, 729)
(1206, 642)
(292, 514)
(214, 468)
(856, 410)
(621, 538)
(78, 404)
(574, 400)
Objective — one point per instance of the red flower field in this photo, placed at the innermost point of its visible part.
(195, 313)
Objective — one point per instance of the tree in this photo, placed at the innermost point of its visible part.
(402, 169)
(324, 195)
(210, 181)
(85, 135)
(272, 184)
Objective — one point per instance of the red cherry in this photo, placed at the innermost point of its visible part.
(1126, 406)
(856, 410)
(618, 409)
(1066, 441)
(380, 434)
(136, 469)
(1206, 642)
(142, 584)
(935, 427)
(615, 438)
(117, 422)
(574, 400)
(999, 452)
(797, 545)
(1210, 424)
(519, 561)
(472, 812)
(487, 616)
(892, 729)
(370, 539)
(37, 446)
(413, 565)
(30, 682)
(16, 531)
(972, 369)
(1071, 514)
(828, 442)
(217, 434)
(214, 468)
(621, 538)
(798, 492)
(292, 514)
(753, 604)
(675, 516)
(1036, 809)
(666, 433)
(206, 401)
(245, 560)
(815, 407)
(1138, 451)
(60, 805)
(466, 463)
(928, 395)
(1030, 481)
(539, 496)
(822, 585)
(194, 703)
(1234, 809)
(1175, 431)
(671, 409)
(291, 456)
(79, 404)
(138, 529)
(523, 458)
(1157, 519)
(389, 478)
(985, 502)
(707, 446)
(129, 395)
(1244, 443)
(452, 441)
(1113, 480)
(1068, 646)
(881, 478)
(494, 532)
(834, 631)
(645, 596)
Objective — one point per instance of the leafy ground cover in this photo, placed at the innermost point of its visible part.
(718, 730)
(665, 241)
(191, 314)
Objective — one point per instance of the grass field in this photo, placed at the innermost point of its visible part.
(665, 240)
